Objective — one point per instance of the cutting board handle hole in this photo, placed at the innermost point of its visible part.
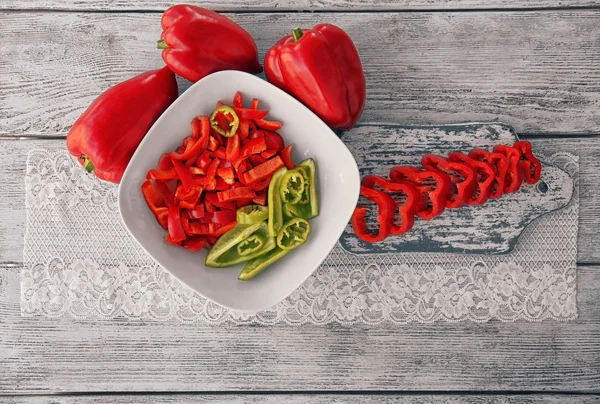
(542, 187)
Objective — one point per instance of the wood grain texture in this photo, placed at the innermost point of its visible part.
(493, 228)
(260, 5)
(12, 192)
(532, 70)
(60, 355)
(313, 399)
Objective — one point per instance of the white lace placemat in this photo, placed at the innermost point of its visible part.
(81, 261)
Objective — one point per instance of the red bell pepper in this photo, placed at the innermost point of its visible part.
(198, 42)
(499, 164)
(249, 113)
(236, 194)
(286, 155)
(233, 148)
(183, 174)
(261, 198)
(219, 217)
(463, 185)
(196, 213)
(321, 68)
(434, 187)
(514, 175)
(264, 170)
(202, 126)
(176, 231)
(195, 244)
(485, 177)
(105, 136)
(406, 207)
(529, 164)
(386, 207)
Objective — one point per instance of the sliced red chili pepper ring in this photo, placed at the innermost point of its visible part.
(386, 207)
(433, 187)
(485, 177)
(514, 175)
(499, 164)
(529, 164)
(462, 178)
(406, 207)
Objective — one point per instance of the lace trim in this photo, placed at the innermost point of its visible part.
(66, 274)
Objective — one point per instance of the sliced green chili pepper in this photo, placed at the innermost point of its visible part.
(240, 244)
(293, 234)
(309, 167)
(274, 202)
(257, 265)
(252, 214)
(296, 210)
(305, 200)
(292, 186)
(233, 123)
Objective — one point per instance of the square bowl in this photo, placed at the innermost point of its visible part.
(338, 185)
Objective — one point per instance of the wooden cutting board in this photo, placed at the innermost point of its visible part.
(493, 228)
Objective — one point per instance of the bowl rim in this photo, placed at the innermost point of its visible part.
(129, 169)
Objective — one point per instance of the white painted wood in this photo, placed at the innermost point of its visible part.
(259, 5)
(313, 399)
(532, 70)
(12, 193)
(65, 355)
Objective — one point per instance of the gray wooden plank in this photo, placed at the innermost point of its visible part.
(533, 70)
(314, 399)
(12, 194)
(41, 355)
(259, 5)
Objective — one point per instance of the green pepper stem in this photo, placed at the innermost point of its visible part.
(87, 163)
(297, 33)
(161, 44)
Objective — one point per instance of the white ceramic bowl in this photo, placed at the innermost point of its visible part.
(338, 185)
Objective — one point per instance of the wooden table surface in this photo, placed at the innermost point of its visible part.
(534, 64)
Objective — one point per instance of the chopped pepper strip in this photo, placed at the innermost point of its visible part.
(176, 232)
(227, 174)
(162, 175)
(433, 186)
(268, 125)
(263, 170)
(165, 162)
(184, 174)
(249, 113)
(233, 148)
(286, 155)
(236, 194)
(514, 175)
(485, 176)
(261, 198)
(199, 144)
(195, 244)
(385, 205)
(238, 100)
(406, 208)
(462, 186)
(233, 123)
(529, 164)
(196, 213)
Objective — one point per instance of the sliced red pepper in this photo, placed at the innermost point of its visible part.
(191, 199)
(213, 143)
(238, 100)
(233, 148)
(209, 207)
(485, 176)
(514, 175)
(248, 113)
(202, 127)
(406, 207)
(256, 160)
(529, 164)
(196, 171)
(164, 163)
(286, 155)
(264, 170)
(220, 153)
(204, 160)
(212, 198)
(268, 125)
(162, 175)
(183, 173)
(227, 174)
(221, 185)
(244, 129)
(204, 229)
(220, 217)
(191, 194)
(224, 228)
(168, 240)
(195, 244)
(434, 187)
(252, 146)
(386, 207)
(268, 154)
(274, 141)
(176, 231)
(196, 213)
(261, 198)
(211, 171)
(152, 196)
(463, 185)
(165, 192)
(162, 216)
(254, 103)
(499, 164)
(236, 194)
(256, 134)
